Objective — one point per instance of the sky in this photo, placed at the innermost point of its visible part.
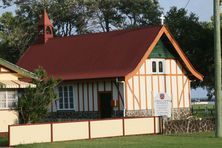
(202, 8)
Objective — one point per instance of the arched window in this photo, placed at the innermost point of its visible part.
(160, 66)
(48, 30)
(153, 66)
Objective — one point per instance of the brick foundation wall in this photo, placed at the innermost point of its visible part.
(180, 113)
(139, 113)
(72, 115)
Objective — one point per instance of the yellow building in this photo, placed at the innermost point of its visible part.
(10, 84)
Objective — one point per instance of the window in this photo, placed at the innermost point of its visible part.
(66, 97)
(153, 66)
(161, 66)
(48, 30)
(157, 66)
(2, 99)
(8, 99)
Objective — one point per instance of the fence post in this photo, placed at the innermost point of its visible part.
(154, 120)
(123, 127)
(51, 124)
(89, 129)
(9, 135)
(160, 124)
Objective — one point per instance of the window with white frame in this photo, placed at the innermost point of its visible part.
(65, 97)
(157, 66)
(160, 66)
(8, 99)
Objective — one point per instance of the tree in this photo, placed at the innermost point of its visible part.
(106, 15)
(196, 39)
(14, 37)
(34, 102)
(140, 13)
(69, 16)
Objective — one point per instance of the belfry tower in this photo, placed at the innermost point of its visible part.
(45, 28)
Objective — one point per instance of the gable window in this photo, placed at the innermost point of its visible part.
(157, 66)
(153, 66)
(160, 66)
(8, 99)
(66, 97)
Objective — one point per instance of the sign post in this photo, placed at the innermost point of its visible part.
(162, 105)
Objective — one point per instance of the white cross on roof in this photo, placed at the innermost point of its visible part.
(162, 18)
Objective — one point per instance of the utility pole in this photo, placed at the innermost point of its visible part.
(217, 62)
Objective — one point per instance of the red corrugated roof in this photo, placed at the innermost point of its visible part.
(98, 55)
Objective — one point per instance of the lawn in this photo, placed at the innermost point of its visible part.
(200, 140)
(203, 106)
(203, 110)
(3, 141)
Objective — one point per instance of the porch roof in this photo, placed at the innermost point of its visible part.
(15, 84)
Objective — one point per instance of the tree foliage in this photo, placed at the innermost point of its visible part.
(34, 102)
(14, 37)
(140, 13)
(196, 39)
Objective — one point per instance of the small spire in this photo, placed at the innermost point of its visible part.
(162, 18)
(45, 28)
(44, 19)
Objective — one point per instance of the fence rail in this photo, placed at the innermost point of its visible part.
(88, 129)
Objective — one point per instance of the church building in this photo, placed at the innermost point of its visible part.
(113, 74)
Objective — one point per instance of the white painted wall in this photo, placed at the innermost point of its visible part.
(85, 94)
(144, 86)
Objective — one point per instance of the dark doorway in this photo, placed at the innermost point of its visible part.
(105, 107)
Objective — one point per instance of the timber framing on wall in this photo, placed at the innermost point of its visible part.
(86, 93)
(174, 82)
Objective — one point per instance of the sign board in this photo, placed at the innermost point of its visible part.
(162, 105)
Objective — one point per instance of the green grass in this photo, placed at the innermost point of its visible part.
(203, 110)
(203, 106)
(198, 140)
(3, 141)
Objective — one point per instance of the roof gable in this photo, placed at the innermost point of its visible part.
(12, 67)
(165, 31)
(161, 51)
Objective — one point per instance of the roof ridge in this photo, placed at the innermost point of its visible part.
(113, 31)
